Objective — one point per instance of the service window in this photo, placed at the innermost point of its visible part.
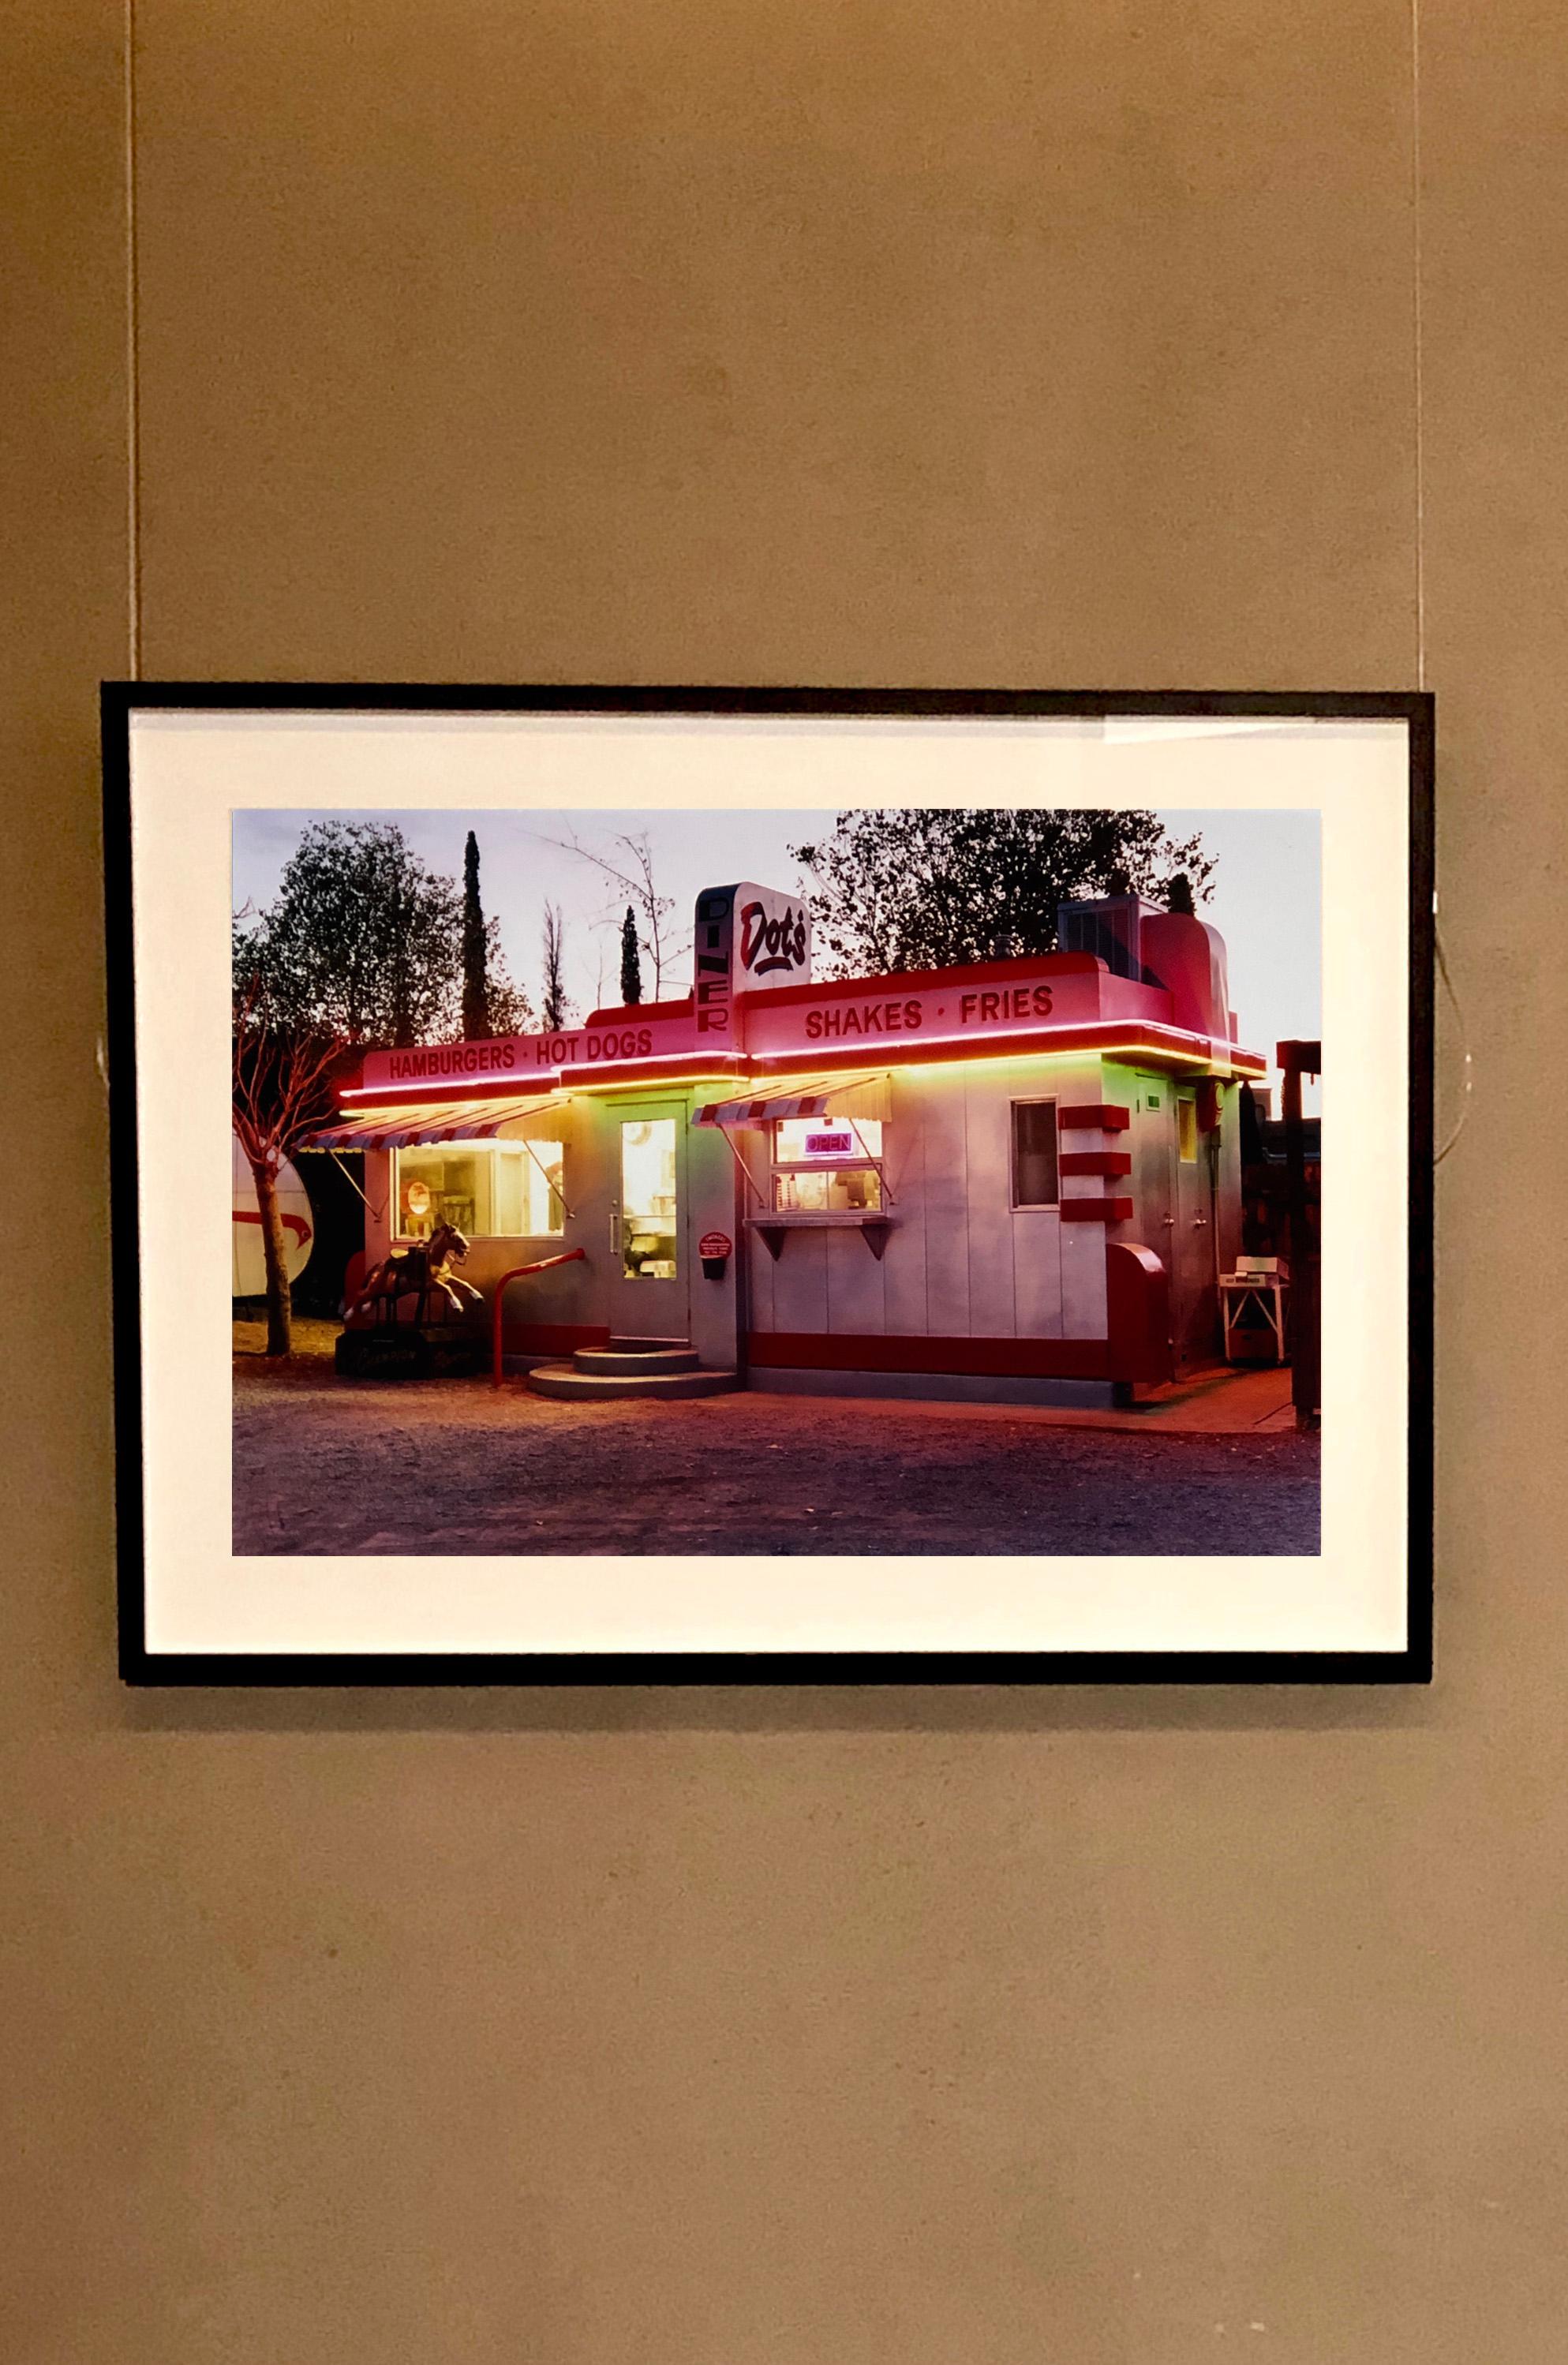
(826, 1165)
(490, 1190)
(1034, 1181)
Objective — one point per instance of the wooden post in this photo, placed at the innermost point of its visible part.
(1297, 1059)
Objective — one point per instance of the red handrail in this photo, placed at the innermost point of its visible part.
(572, 1256)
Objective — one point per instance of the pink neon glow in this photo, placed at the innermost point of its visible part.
(1172, 1037)
(500, 1086)
(1104, 1037)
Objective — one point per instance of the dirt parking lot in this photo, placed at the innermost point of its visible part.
(324, 1465)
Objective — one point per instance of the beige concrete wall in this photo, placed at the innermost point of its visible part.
(1022, 342)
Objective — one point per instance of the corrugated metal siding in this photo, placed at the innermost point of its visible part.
(938, 1097)
(990, 1226)
(903, 1276)
(961, 1263)
(856, 1286)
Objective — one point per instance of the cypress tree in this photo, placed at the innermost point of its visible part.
(476, 986)
(553, 980)
(631, 958)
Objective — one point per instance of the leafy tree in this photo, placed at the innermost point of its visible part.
(284, 1079)
(922, 888)
(510, 1011)
(475, 995)
(367, 942)
(553, 983)
(631, 958)
(1179, 895)
(363, 940)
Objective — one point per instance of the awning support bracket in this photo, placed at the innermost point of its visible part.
(375, 1213)
(745, 1169)
(876, 1164)
(553, 1188)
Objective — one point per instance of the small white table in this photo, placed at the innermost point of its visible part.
(1268, 1292)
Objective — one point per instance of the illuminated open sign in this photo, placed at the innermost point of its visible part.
(820, 1141)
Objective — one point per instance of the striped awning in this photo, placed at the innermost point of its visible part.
(807, 1097)
(408, 1128)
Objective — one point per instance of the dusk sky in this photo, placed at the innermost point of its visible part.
(1265, 899)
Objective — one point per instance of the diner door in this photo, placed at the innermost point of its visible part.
(650, 1267)
(1195, 1272)
(1174, 1182)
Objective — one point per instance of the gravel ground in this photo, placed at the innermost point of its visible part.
(324, 1465)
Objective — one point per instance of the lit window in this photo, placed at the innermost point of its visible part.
(826, 1165)
(1186, 1129)
(489, 1190)
(649, 1229)
(1035, 1154)
(827, 1190)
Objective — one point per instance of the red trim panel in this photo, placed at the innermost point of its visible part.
(637, 1014)
(1095, 1211)
(1016, 971)
(1093, 1117)
(838, 1350)
(1095, 1161)
(553, 1337)
(1137, 1301)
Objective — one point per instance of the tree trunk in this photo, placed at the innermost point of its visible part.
(280, 1297)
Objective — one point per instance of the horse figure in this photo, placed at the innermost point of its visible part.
(415, 1272)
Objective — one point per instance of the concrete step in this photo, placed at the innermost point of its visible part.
(636, 1361)
(585, 1387)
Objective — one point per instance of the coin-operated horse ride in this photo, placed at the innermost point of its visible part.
(404, 1321)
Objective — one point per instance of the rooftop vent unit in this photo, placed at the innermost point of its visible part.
(1111, 929)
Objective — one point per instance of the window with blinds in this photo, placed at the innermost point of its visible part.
(1034, 1181)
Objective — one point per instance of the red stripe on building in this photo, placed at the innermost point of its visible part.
(838, 1350)
(1096, 1161)
(1096, 1211)
(1096, 1117)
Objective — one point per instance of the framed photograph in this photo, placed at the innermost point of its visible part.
(841, 1186)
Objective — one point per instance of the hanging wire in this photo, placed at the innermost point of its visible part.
(1467, 1061)
(132, 359)
(1418, 340)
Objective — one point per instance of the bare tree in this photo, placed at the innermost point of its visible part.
(282, 1090)
(629, 870)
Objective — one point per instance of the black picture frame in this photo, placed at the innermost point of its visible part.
(140, 1665)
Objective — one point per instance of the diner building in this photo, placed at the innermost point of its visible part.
(1012, 1181)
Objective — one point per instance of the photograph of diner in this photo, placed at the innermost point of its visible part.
(903, 1180)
